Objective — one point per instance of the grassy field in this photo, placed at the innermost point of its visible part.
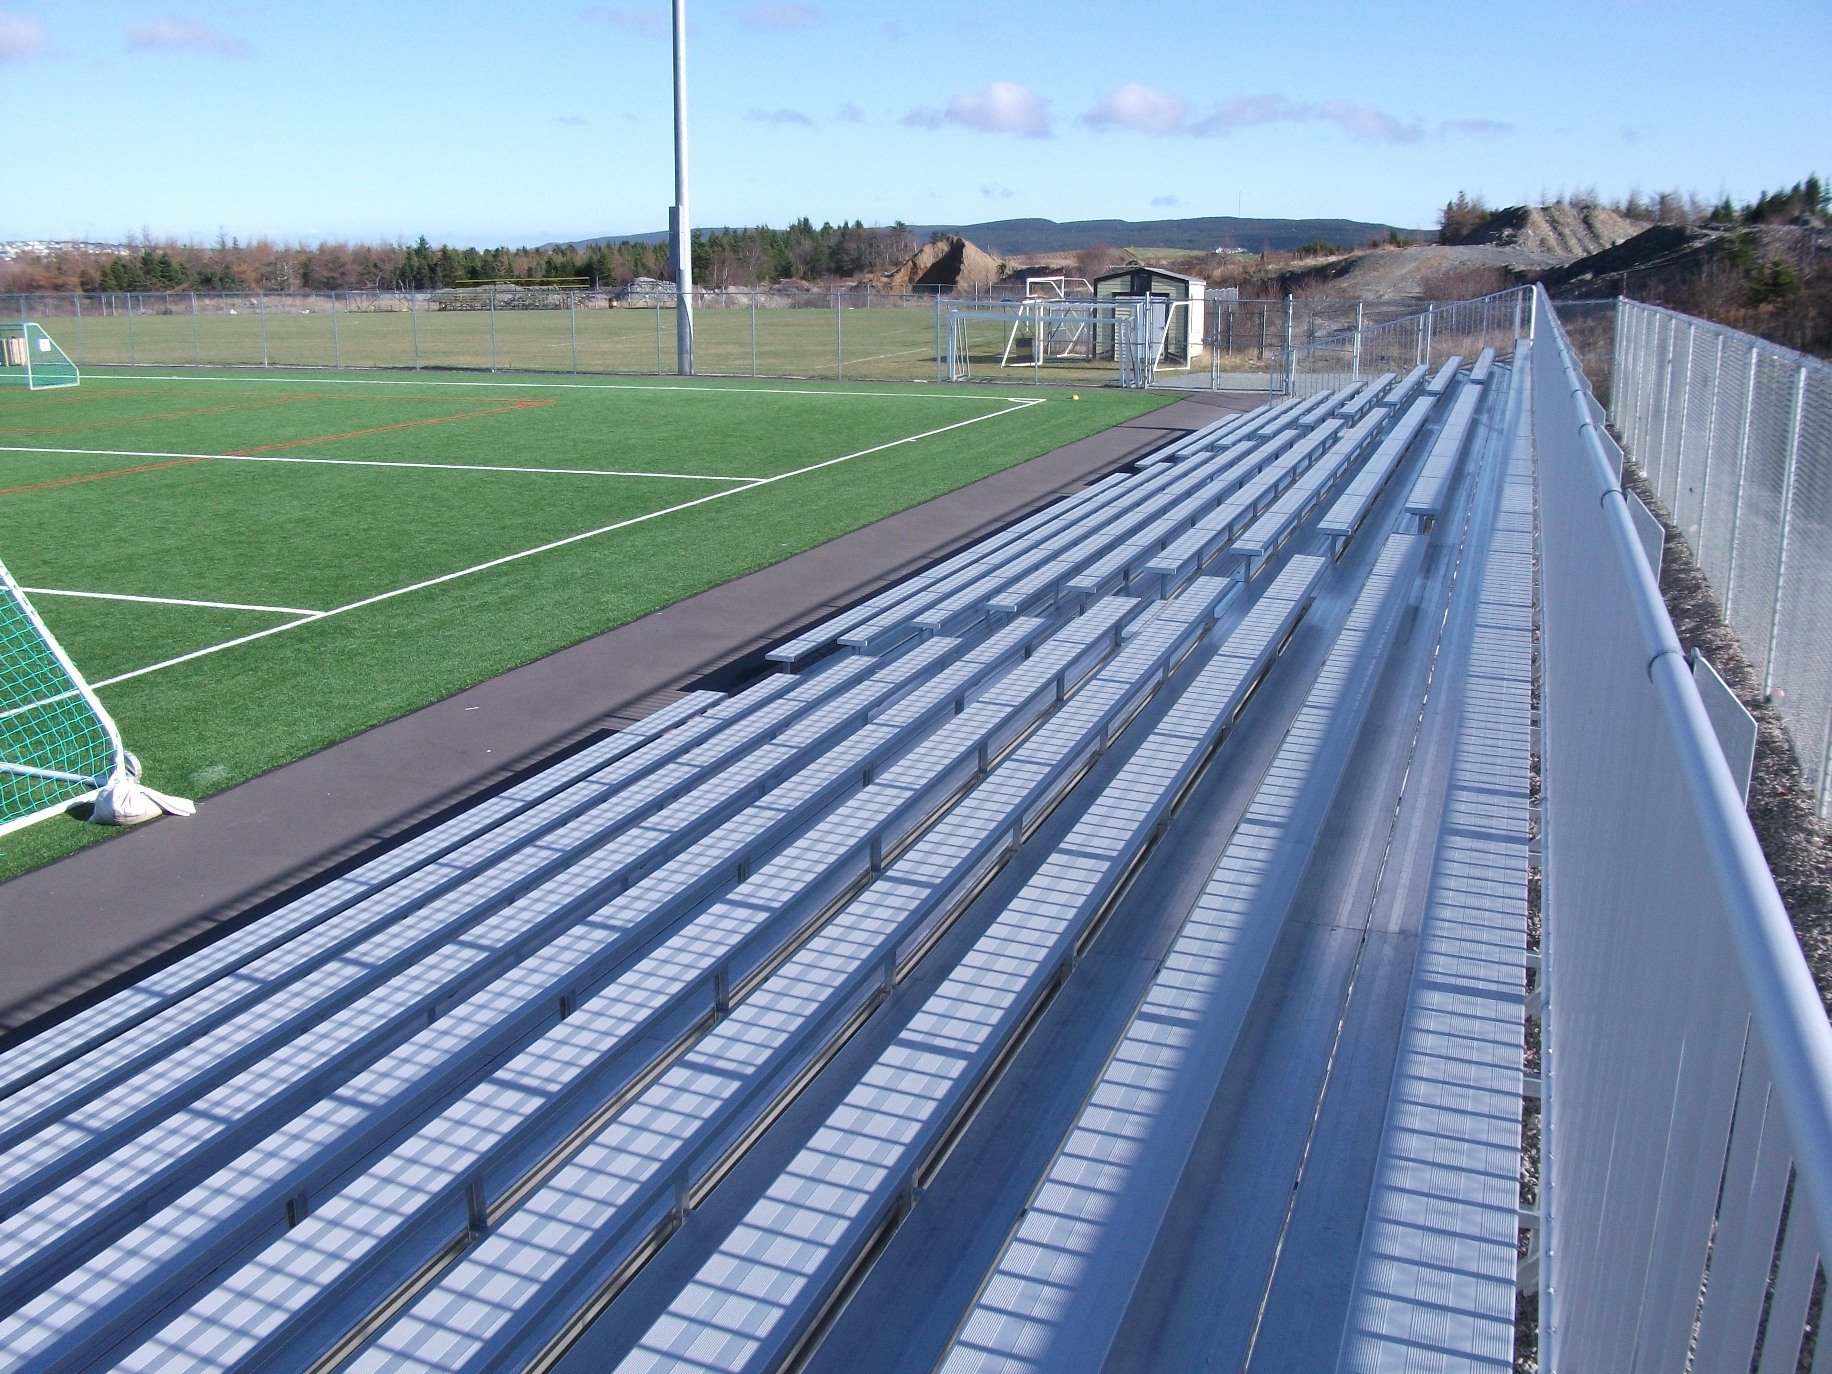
(253, 567)
(882, 343)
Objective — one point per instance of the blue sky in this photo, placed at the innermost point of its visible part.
(486, 123)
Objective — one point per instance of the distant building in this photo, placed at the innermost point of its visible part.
(1182, 326)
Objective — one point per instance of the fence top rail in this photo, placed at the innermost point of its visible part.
(1756, 341)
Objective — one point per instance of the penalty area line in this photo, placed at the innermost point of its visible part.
(1016, 405)
(170, 601)
(372, 463)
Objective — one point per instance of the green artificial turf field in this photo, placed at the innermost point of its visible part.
(250, 568)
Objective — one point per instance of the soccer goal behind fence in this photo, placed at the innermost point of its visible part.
(30, 358)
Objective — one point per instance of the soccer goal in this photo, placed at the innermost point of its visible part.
(58, 745)
(30, 358)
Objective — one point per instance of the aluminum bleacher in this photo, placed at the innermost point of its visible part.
(1106, 948)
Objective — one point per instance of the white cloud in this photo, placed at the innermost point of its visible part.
(173, 34)
(21, 36)
(639, 21)
(1476, 128)
(850, 113)
(571, 121)
(1141, 109)
(991, 190)
(1247, 111)
(1366, 122)
(781, 16)
(780, 116)
(1165, 202)
(1004, 107)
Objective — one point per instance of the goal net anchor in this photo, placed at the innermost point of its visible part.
(59, 747)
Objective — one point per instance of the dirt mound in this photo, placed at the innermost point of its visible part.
(948, 264)
(1570, 231)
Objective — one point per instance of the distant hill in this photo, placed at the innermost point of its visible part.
(1015, 237)
(1011, 236)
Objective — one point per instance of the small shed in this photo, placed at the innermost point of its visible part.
(1183, 326)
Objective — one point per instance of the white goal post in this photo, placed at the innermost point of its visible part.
(58, 745)
(30, 358)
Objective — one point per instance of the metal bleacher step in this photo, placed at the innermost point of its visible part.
(775, 1271)
(248, 1196)
(670, 1142)
(1062, 1283)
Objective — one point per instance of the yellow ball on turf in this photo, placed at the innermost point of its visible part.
(1074, 395)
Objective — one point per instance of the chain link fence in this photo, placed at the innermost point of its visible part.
(1735, 434)
(855, 335)
(1415, 338)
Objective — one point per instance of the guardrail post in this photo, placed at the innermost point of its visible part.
(1787, 521)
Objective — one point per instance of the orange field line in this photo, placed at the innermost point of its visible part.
(523, 404)
(98, 476)
(66, 397)
(165, 415)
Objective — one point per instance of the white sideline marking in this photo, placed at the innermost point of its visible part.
(1017, 405)
(367, 463)
(168, 601)
(559, 386)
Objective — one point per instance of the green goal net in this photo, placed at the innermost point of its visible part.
(30, 358)
(58, 746)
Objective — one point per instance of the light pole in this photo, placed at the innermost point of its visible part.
(680, 227)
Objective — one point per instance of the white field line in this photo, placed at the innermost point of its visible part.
(1017, 405)
(167, 601)
(929, 395)
(894, 353)
(368, 463)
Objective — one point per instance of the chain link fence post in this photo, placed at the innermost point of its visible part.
(82, 347)
(1355, 361)
(133, 354)
(1789, 481)
(492, 290)
(413, 325)
(336, 342)
(941, 365)
(753, 332)
(1736, 518)
(572, 327)
(1291, 358)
